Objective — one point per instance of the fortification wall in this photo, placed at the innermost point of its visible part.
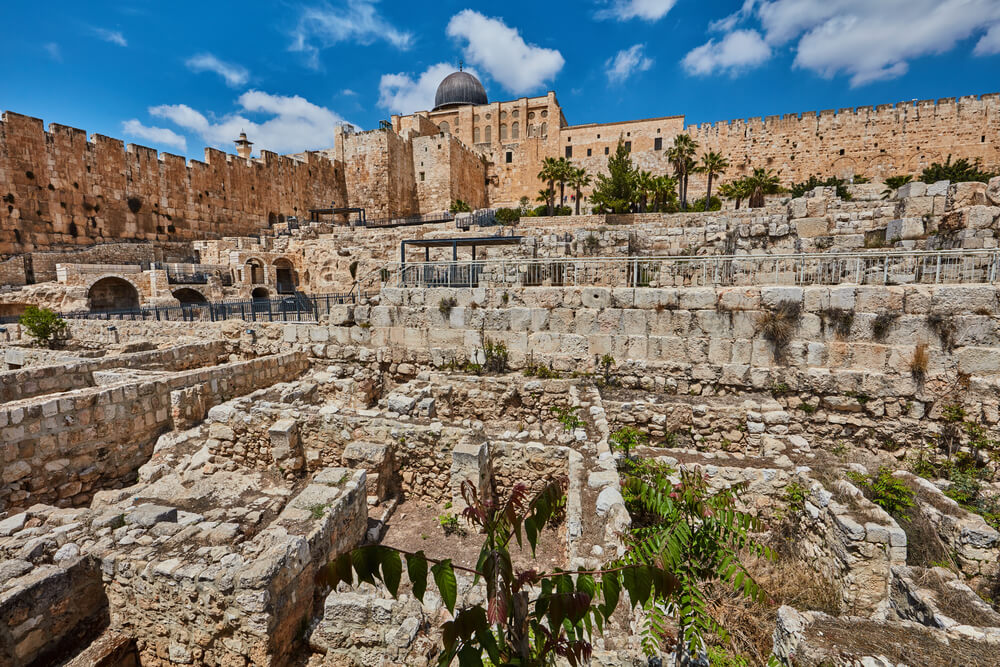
(60, 190)
(875, 142)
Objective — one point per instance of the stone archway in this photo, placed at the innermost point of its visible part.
(285, 276)
(189, 297)
(113, 293)
(253, 271)
(260, 293)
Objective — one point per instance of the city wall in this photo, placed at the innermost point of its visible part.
(60, 190)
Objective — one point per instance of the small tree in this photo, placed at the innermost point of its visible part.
(529, 618)
(615, 193)
(44, 325)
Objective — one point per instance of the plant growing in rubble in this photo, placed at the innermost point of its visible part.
(697, 536)
(44, 325)
(626, 439)
(567, 417)
(530, 618)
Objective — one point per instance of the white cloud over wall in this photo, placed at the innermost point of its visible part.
(403, 93)
(283, 124)
(736, 51)
(501, 52)
(160, 136)
(647, 10)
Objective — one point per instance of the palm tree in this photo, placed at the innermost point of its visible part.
(664, 192)
(712, 164)
(681, 155)
(578, 181)
(644, 185)
(564, 171)
(762, 182)
(545, 197)
(549, 173)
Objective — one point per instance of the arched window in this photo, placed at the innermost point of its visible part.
(516, 130)
(531, 130)
(475, 135)
(545, 129)
(489, 134)
(503, 115)
(503, 132)
(444, 127)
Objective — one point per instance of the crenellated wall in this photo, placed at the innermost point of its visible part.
(59, 190)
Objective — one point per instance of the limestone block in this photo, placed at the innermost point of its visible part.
(284, 436)
(978, 360)
(400, 404)
(961, 195)
(697, 299)
(993, 191)
(915, 207)
(912, 189)
(797, 208)
(148, 514)
(904, 229)
(596, 297)
(775, 297)
(812, 227)
(980, 217)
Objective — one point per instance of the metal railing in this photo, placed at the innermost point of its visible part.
(295, 308)
(197, 274)
(426, 218)
(872, 268)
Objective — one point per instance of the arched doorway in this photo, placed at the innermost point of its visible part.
(190, 297)
(254, 271)
(285, 276)
(113, 294)
(260, 293)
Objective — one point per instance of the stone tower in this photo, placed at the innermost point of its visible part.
(244, 146)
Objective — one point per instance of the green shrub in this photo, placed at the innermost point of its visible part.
(496, 357)
(626, 439)
(44, 325)
(779, 389)
(795, 495)
(508, 216)
(959, 171)
(449, 524)
(460, 206)
(888, 492)
(567, 417)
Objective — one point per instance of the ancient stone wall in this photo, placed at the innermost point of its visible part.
(60, 190)
(59, 449)
(37, 380)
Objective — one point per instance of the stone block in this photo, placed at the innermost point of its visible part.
(812, 227)
(912, 189)
(961, 195)
(148, 515)
(470, 461)
(904, 229)
(400, 404)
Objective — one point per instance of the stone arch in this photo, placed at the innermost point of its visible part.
(503, 132)
(489, 134)
(515, 129)
(444, 126)
(285, 276)
(918, 162)
(272, 219)
(845, 168)
(189, 296)
(113, 293)
(253, 271)
(259, 293)
(882, 167)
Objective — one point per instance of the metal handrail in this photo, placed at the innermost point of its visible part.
(883, 268)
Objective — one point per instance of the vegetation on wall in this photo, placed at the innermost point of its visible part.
(43, 325)
(959, 171)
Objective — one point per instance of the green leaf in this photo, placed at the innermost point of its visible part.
(444, 577)
(416, 570)
(365, 562)
(470, 656)
(392, 569)
(612, 589)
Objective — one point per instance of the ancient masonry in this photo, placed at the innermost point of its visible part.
(61, 191)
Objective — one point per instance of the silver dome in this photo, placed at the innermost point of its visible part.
(458, 89)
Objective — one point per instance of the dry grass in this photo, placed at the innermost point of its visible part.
(919, 362)
(840, 320)
(751, 624)
(778, 326)
(882, 324)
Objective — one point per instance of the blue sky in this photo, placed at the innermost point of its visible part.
(181, 75)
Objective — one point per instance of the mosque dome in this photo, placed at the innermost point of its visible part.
(458, 89)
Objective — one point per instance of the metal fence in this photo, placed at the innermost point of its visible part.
(296, 308)
(882, 268)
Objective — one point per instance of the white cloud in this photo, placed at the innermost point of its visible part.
(113, 36)
(989, 44)
(347, 92)
(53, 50)
(867, 40)
(160, 136)
(324, 25)
(501, 51)
(234, 75)
(626, 62)
(294, 124)
(736, 51)
(647, 10)
(401, 93)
